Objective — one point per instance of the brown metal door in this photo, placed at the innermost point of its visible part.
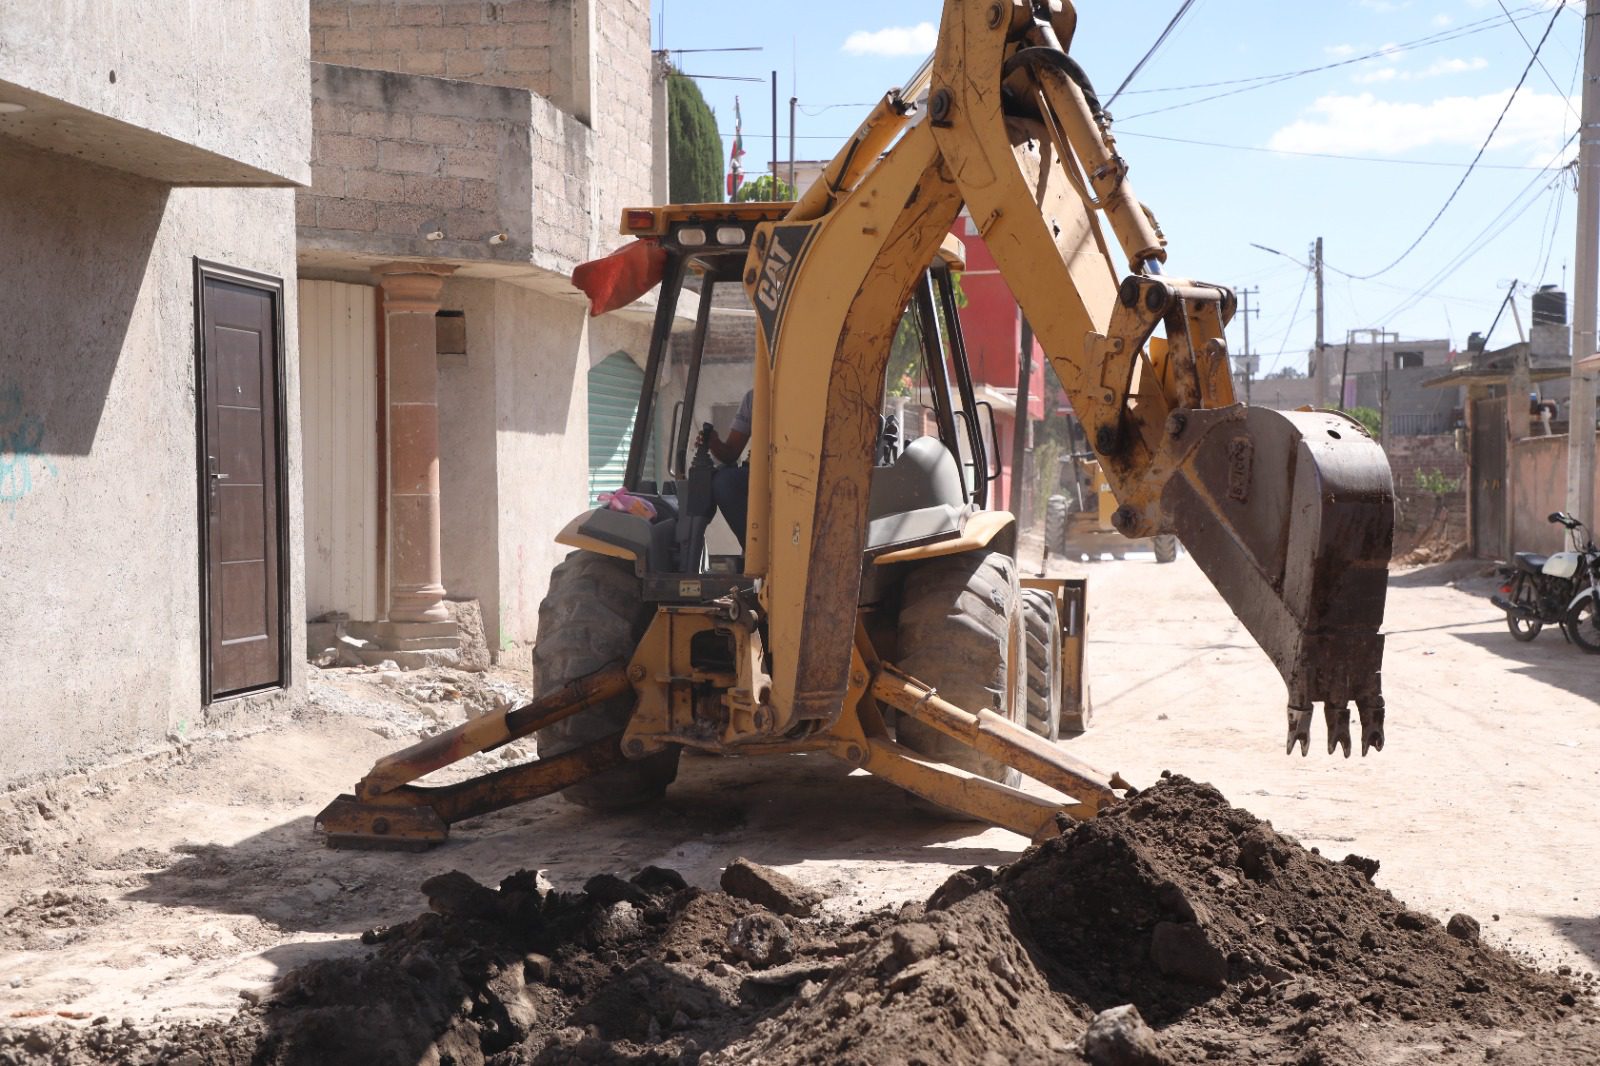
(241, 495)
(1488, 470)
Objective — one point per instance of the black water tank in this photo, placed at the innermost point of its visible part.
(1550, 305)
(1475, 342)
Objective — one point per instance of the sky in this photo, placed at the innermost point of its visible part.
(1363, 153)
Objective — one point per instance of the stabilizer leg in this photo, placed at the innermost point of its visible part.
(387, 811)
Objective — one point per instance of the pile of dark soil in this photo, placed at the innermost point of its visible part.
(1231, 941)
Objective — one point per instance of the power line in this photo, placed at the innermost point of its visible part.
(1481, 149)
(1294, 317)
(1323, 155)
(1183, 9)
(1441, 37)
(1481, 240)
(1566, 97)
(1266, 81)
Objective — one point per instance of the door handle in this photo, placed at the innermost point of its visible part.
(213, 475)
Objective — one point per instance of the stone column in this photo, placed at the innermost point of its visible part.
(410, 301)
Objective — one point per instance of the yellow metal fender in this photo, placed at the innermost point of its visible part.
(574, 539)
(976, 533)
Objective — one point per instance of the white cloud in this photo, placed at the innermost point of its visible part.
(1339, 51)
(1442, 20)
(1385, 7)
(1438, 68)
(893, 41)
(1364, 124)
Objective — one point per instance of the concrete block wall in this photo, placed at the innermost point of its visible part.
(397, 157)
(1409, 456)
(525, 44)
(623, 83)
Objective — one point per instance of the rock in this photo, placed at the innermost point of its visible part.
(616, 924)
(1258, 856)
(536, 969)
(760, 939)
(1368, 868)
(913, 942)
(1120, 1037)
(455, 895)
(607, 889)
(657, 881)
(768, 887)
(1463, 927)
(959, 885)
(1185, 953)
(1412, 921)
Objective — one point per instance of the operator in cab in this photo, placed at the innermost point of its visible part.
(730, 485)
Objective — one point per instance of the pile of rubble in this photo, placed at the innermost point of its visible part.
(1173, 929)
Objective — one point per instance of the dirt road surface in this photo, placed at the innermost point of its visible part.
(174, 885)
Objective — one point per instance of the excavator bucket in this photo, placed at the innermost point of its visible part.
(1291, 516)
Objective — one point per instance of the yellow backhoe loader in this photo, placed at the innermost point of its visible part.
(876, 613)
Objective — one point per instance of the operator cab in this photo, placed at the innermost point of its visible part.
(935, 447)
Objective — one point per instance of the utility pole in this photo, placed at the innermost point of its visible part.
(1319, 383)
(1580, 419)
(794, 102)
(774, 195)
(1249, 357)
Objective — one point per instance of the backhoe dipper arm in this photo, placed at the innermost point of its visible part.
(1289, 514)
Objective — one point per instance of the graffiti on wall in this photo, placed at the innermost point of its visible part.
(22, 464)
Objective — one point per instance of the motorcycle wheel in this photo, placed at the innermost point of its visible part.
(1583, 626)
(1523, 629)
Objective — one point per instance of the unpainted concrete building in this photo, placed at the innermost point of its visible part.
(149, 443)
(466, 157)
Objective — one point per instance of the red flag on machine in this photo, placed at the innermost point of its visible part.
(622, 277)
(735, 171)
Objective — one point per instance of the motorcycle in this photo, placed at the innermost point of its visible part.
(1562, 589)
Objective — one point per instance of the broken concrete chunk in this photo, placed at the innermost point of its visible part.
(771, 889)
(1120, 1037)
(760, 939)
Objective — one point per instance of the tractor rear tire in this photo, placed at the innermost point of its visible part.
(594, 615)
(961, 633)
(1055, 524)
(1042, 631)
(1166, 546)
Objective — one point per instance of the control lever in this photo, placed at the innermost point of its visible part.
(697, 506)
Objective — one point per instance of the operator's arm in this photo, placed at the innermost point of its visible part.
(728, 451)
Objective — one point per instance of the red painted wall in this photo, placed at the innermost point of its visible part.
(991, 324)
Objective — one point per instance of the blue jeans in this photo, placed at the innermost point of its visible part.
(730, 489)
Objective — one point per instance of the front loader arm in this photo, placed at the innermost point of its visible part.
(1289, 514)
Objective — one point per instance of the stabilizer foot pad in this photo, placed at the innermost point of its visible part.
(350, 823)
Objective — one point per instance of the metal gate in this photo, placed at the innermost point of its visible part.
(1488, 470)
(614, 385)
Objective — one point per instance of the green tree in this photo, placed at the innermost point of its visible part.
(905, 351)
(1369, 418)
(762, 189)
(694, 145)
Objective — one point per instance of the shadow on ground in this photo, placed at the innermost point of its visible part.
(1548, 658)
(776, 811)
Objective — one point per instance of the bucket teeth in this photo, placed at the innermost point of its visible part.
(1299, 730)
(1337, 714)
(1371, 712)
